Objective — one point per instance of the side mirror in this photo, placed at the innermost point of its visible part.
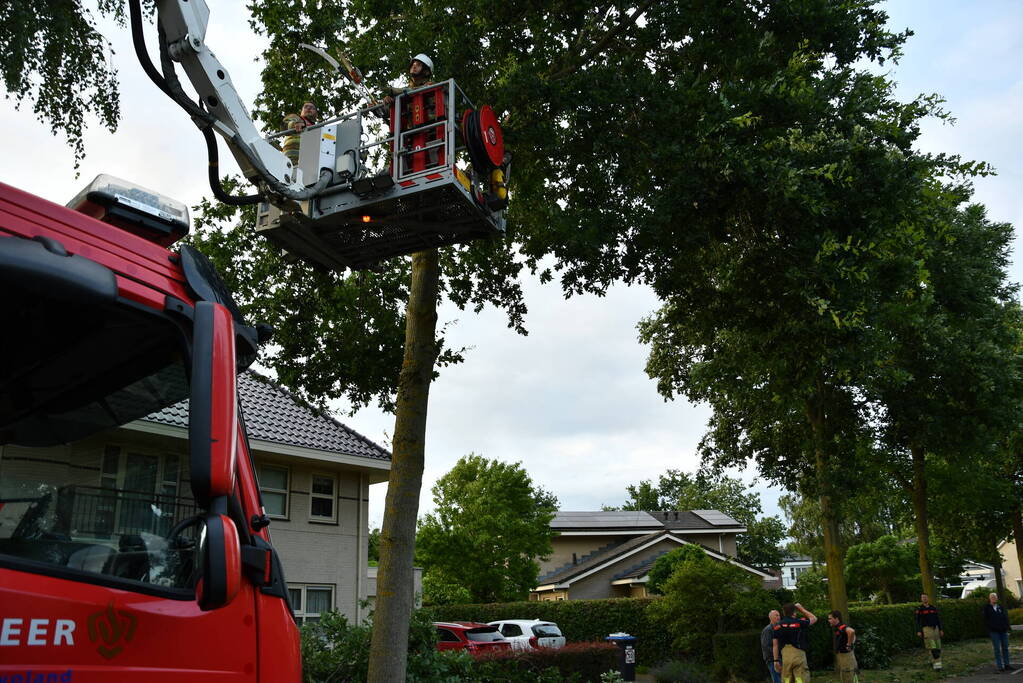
(220, 558)
(213, 408)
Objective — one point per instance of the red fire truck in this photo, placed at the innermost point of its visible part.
(101, 578)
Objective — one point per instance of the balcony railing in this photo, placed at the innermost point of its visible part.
(104, 512)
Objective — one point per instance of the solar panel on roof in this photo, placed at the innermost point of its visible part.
(615, 518)
(715, 517)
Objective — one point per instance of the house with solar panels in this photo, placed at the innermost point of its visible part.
(609, 554)
(314, 475)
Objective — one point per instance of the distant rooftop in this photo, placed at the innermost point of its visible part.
(638, 521)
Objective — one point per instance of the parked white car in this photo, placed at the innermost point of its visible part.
(530, 633)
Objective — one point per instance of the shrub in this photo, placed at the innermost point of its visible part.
(872, 650)
(811, 588)
(665, 566)
(738, 655)
(1016, 616)
(584, 662)
(700, 597)
(334, 650)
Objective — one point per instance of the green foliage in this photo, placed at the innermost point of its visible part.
(761, 545)
(440, 589)
(666, 564)
(579, 620)
(980, 592)
(885, 567)
(705, 490)
(334, 651)
(737, 655)
(700, 596)
(812, 588)
(374, 546)
(1016, 615)
(489, 526)
(872, 648)
(583, 662)
(681, 671)
(52, 56)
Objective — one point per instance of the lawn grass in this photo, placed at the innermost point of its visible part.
(959, 659)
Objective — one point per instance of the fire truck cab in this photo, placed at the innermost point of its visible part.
(115, 566)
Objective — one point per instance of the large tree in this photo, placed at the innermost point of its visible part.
(490, 526)
(780, 331)
(651, 141)
(53, 56)
(948, 382)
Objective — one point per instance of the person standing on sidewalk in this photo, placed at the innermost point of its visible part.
(928, 627)
(843, 638)
(997, 623)
(789, 644)
(767, 644)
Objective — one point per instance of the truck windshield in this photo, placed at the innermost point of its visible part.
(92, 472)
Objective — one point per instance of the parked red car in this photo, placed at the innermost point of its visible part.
(470, 636)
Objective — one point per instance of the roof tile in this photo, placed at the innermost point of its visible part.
(274, 414)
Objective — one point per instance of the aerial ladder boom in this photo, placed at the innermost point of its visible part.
(183, 26)
(437, 176)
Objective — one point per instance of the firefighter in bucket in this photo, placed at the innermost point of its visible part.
(425, 111)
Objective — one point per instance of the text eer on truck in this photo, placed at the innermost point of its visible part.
(116, 565)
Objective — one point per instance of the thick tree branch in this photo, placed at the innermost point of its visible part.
(611, 34)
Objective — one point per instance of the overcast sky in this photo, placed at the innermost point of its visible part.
(570, 401)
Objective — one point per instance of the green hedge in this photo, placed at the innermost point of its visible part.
(1016, 616)
(579, 620)
(885, 630)
(738, 655)
(583, 662)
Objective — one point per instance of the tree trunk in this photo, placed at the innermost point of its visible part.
(395, 600)
(1017, 537)
(920, 521)
(999, 579)
(834, 556)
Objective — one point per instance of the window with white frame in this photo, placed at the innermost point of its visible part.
(310, 602)
(273, 484)
(322, 497)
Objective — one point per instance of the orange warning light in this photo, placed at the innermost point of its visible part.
(366, 219)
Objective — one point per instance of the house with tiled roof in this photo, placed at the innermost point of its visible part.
(132, 482)
(609, 554)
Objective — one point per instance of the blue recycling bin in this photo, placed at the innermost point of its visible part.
(626, 654)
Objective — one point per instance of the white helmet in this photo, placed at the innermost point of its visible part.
(425, 60)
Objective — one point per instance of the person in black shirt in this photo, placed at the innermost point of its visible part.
(928, 627)
(843, 638)
(997, 623)
(789, 645)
